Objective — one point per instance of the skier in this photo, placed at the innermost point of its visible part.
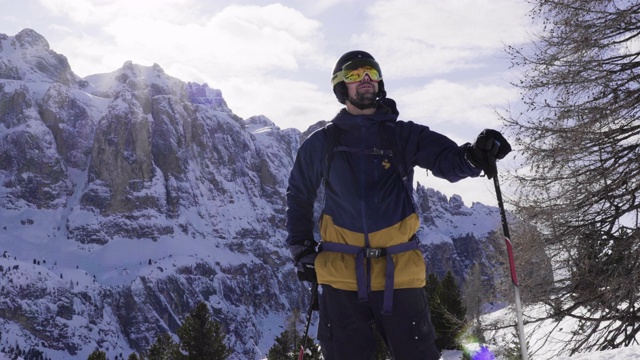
(371, 271)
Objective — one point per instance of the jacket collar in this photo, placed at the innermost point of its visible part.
(385, 112)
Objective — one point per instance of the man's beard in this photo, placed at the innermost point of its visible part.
(364, 100)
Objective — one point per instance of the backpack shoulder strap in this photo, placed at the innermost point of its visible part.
(332, 134)
(398, 161)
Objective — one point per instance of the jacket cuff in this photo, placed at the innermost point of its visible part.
(304, 249)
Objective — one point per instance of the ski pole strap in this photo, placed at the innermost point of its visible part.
(362, 253)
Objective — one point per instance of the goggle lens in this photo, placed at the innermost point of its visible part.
(356, 75)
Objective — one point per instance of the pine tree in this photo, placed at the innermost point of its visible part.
(311, 349)
(201, 337)
(474, 296)
(287, 347)
(34, 354)
(448, 313)
(97, 355)
(432, 284)
(164, 349)
(282, 348)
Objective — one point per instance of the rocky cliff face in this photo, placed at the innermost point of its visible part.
(127, 198)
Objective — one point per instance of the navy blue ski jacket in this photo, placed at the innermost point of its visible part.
(366, 203)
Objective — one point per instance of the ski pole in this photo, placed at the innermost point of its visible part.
(314, 295)
(512, 263)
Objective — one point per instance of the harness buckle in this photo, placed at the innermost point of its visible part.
(373, 253)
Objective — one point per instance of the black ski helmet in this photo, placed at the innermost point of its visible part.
(354, 58)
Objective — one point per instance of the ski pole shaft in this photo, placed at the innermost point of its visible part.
(512, 266)
(314, 295)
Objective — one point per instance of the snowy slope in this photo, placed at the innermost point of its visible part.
(628, 353)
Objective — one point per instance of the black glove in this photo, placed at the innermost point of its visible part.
(304, 256)
(305, 267)
(489, 146)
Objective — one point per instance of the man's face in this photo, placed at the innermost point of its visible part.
(363, 91)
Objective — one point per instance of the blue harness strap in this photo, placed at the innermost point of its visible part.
(362, 253)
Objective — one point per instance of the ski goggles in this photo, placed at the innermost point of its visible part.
(358, 74)
(356, 70)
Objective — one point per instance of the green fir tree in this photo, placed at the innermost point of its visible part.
(202, 338)
(432, 285)
(97, 355)
(287, 347)
(164, 349)
(448, 313)
(282, 348)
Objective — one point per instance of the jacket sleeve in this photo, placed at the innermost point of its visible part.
(304, 181)
(438, 153)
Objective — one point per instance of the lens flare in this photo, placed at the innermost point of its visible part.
(483, 354)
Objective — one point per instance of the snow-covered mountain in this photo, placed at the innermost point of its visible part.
(127, 198)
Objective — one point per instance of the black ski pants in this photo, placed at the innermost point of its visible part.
(346, 328)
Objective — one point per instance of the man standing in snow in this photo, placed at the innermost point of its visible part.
(368, 262)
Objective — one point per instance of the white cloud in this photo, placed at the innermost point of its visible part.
(262, 38)
(246, 40)
(435, 37)
(80, 11)
(458, 24)
(261, 57)
(320, 6)
(290, 104)
(446, 102)
(102, 12)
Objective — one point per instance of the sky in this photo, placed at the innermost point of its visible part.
(443, 61)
